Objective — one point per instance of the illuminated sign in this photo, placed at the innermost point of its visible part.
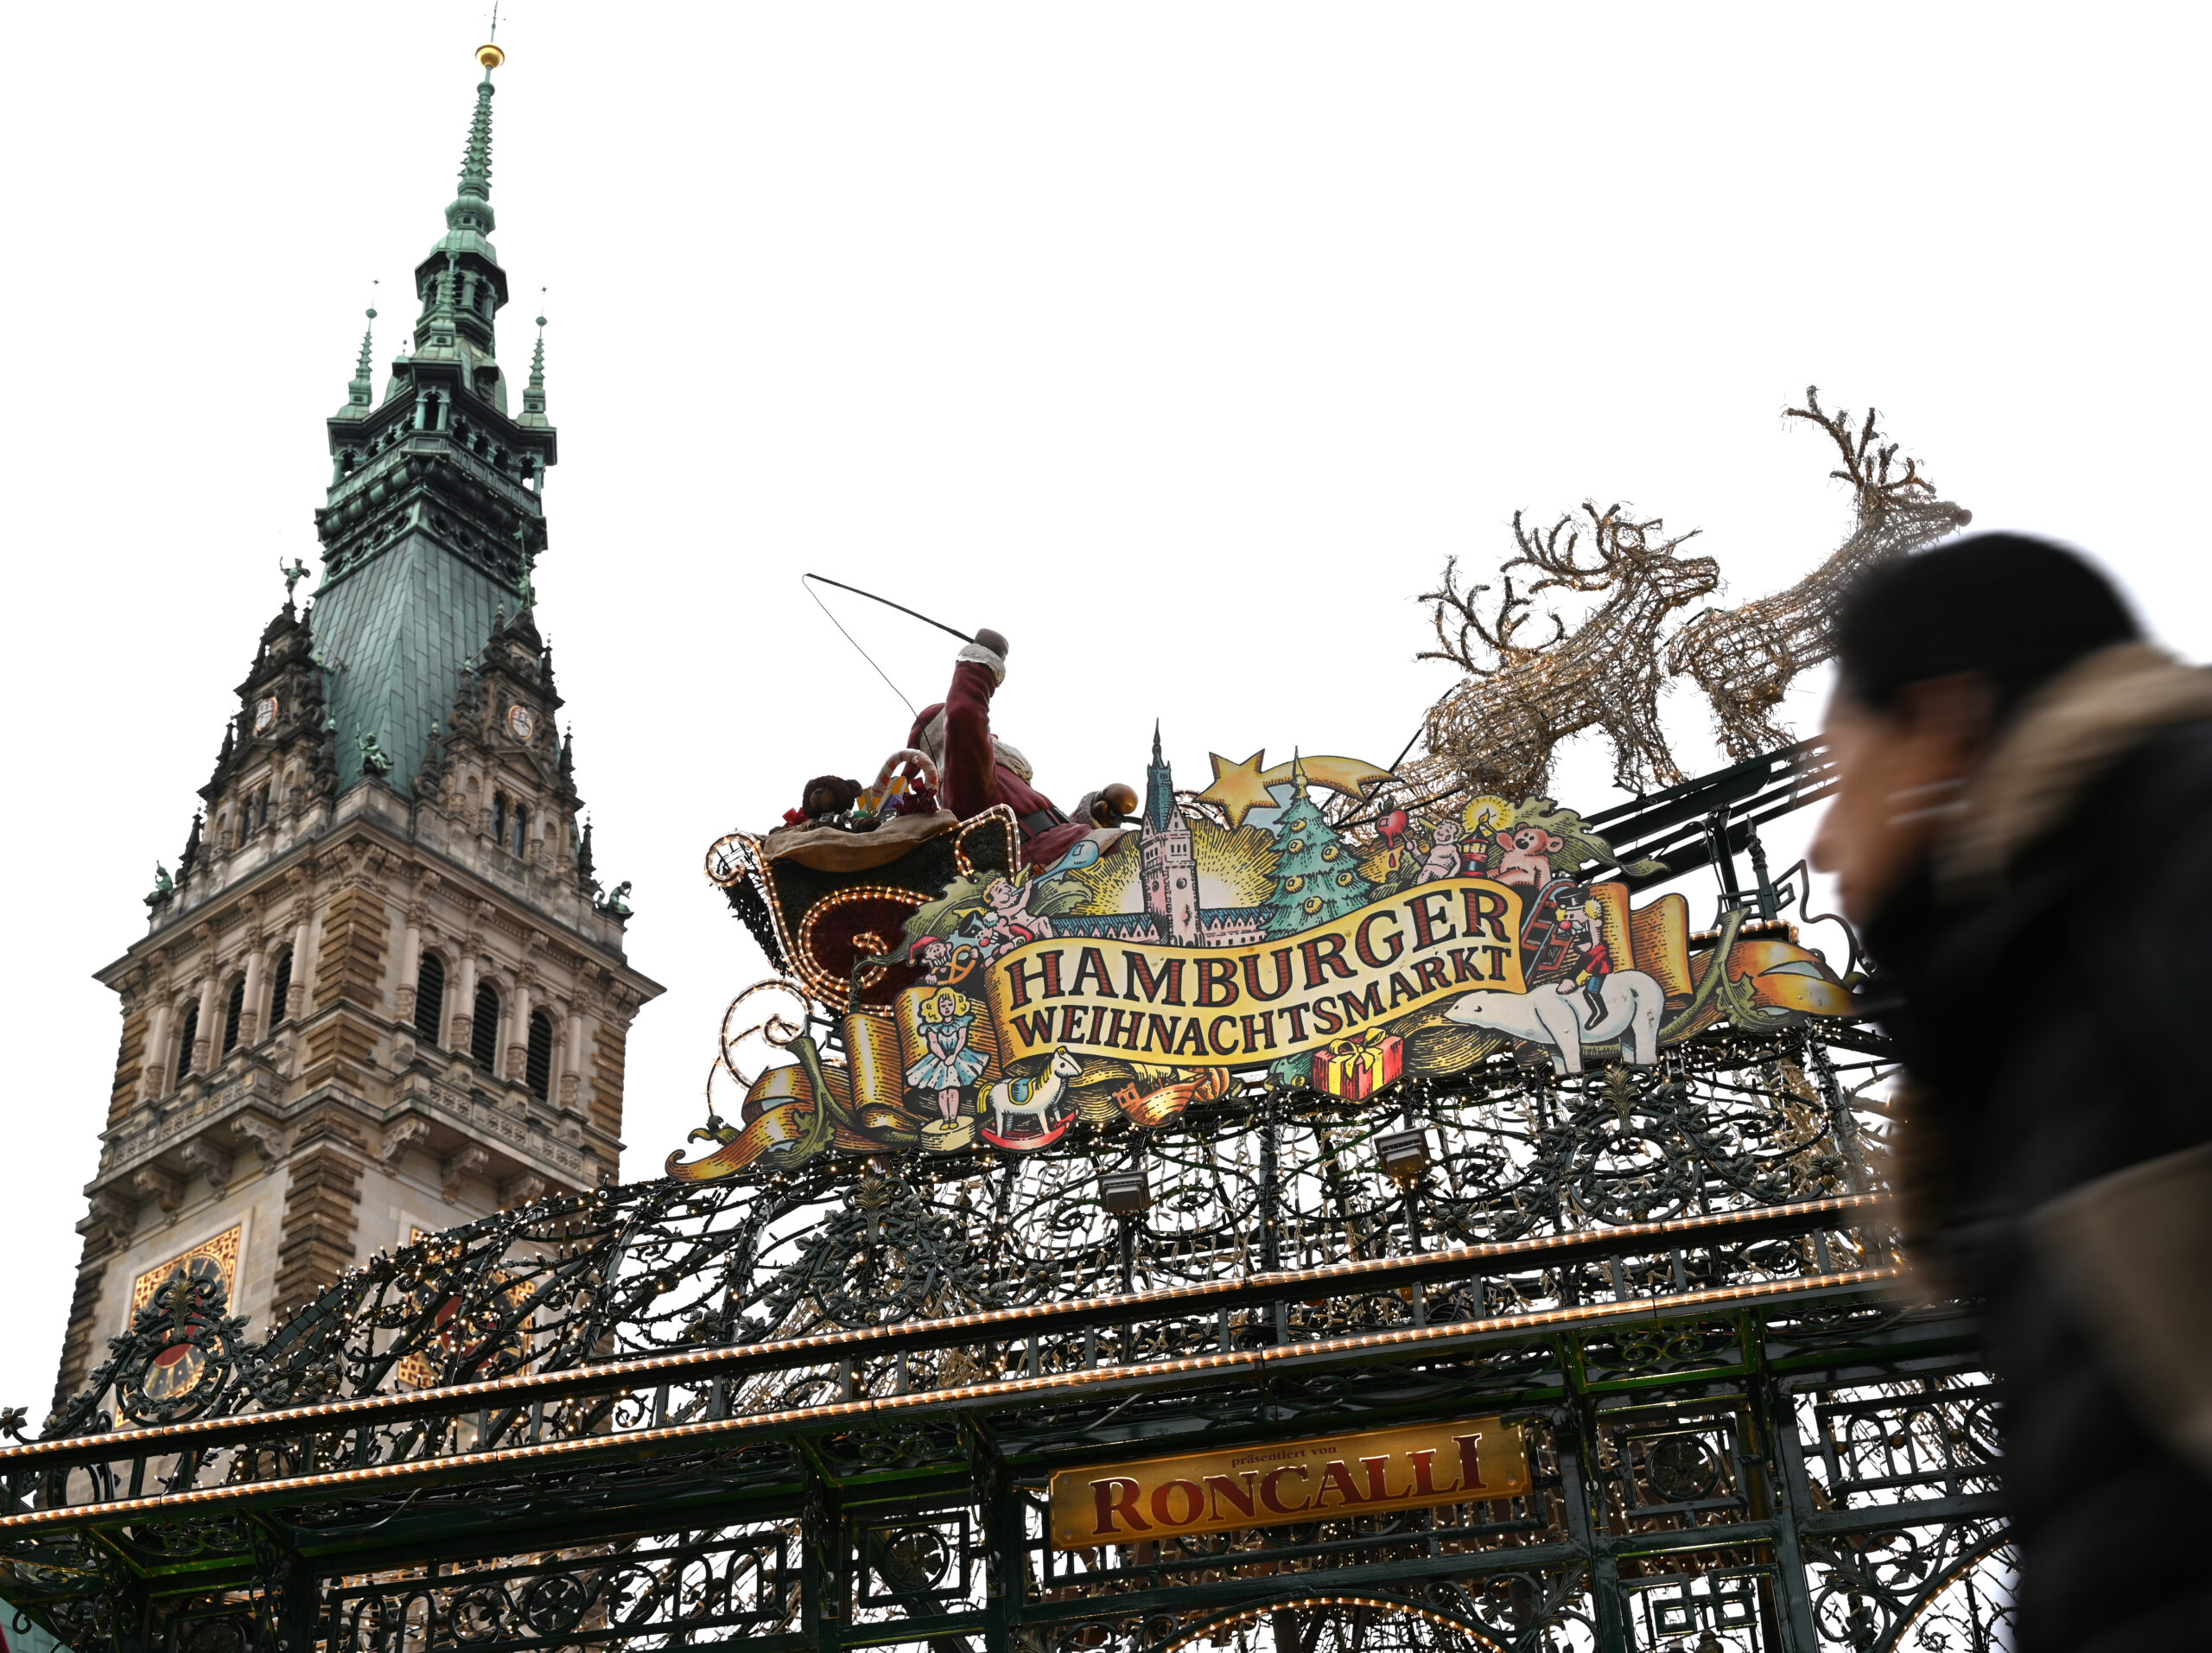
(1339, 1476)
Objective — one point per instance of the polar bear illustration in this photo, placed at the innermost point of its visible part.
(1552, 1016)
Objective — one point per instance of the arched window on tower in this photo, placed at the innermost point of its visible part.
(498, 817)
(187, 1035)
(538, 1067)
(231, 1011)
(280, 989)
(484, 1037)
(521, 839)
(429, 996)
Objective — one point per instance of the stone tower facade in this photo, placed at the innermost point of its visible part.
(1168, 858)
(384, 993)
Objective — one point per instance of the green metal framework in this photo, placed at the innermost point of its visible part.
(1799, 1462)
(819, 1409)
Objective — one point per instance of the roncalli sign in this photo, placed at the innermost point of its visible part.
(1366, 1474)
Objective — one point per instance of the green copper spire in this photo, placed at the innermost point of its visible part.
(357, 392)
(472, 207)
(436, 515)
(460, 284)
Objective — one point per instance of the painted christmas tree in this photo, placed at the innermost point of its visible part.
(1316, 876)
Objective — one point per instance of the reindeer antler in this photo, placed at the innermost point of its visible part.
(1457, 621)
(1614, 539)
(1866, 467)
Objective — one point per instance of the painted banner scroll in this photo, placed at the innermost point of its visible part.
(1235, 1006)
(1147, 967)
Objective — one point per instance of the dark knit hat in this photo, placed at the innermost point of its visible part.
(2012, 608)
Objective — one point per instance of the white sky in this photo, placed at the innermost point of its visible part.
(1181, 342)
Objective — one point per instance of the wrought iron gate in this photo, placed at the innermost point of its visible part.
(818, 1411)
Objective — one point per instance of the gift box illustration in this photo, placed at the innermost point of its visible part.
(1359, 1064)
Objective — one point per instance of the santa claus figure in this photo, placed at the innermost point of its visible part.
(976, 770)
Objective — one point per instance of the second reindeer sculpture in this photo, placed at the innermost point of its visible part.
(1744, 659)
(1495, 732)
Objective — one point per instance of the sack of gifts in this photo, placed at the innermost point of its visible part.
(1359, 1064)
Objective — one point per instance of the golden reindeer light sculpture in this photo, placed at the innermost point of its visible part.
(1496, 732)
(1745, 657)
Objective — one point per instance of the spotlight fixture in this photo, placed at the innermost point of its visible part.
(1403, 1154)
(1124, 1193)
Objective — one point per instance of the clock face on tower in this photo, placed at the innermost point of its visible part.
(519, 720)
(264, 714)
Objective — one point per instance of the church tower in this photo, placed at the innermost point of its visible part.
(383, 992)
(1168, 861)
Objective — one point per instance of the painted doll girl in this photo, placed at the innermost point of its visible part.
(949, 1061)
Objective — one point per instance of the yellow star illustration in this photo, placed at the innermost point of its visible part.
(1240, 788)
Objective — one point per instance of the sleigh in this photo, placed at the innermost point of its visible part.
(829, 905)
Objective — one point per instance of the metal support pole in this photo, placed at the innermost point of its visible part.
(1576, 1446)
(1006, 1563)
(1271, 1213)
(1785, 1462)
(822, 1563)
(300, 1610)
(1769, 899)
(1724, 858)
(1129, 1284)
(1842, 1123)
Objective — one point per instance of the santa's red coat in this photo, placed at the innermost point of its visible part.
(971, 779)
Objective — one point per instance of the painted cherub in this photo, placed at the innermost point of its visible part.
(1443, 856)
(1005, 921)
(948, 1062)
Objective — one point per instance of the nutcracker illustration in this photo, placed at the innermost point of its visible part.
(1586, 936)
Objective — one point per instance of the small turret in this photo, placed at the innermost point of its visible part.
(533, 394)
(1159, 788)
(188, 862)
(359, 392)
(1168, 856)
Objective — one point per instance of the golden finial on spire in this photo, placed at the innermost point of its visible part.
(490, 57)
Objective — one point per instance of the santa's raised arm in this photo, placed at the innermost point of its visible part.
(975, 769)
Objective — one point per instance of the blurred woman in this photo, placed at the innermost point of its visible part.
(2022, 830)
